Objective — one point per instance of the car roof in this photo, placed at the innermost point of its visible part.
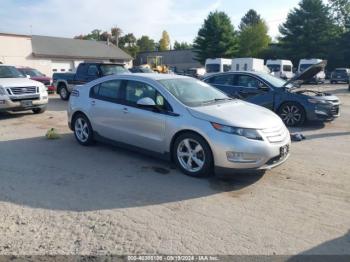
(155, 76)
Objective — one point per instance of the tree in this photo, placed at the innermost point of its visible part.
(128, 44)
(308, 31)
(341, 13)
(116, 33)
(164, 42)
(251, 18)
(182, 45)
(216, 38)
(253, 40)
(146, 44)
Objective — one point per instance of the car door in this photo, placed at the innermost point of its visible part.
(225, 83)
(106, 112)
(144, 127)
(254, 90)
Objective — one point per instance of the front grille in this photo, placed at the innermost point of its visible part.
(335, 110)
(23, 90)
(275, 135)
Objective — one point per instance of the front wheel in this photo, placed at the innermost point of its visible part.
(292, 114)
(193, 155)
(63, 91)
(82, 130)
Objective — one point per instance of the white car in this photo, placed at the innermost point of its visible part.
(281, 68)
(18, 93)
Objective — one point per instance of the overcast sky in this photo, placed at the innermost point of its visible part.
(181, 18)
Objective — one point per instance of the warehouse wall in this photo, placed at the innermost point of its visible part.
(17, 51)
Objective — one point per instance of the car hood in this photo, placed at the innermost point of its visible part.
(308, 73)
(317, 95)
(237, 113)
(18, 82)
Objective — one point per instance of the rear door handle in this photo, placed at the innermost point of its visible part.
(125, 110)
(93, 102)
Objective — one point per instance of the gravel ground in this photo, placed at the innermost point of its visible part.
(57, 197)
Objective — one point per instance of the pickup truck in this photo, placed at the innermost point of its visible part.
(86, 72)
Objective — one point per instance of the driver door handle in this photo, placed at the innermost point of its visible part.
(93, 102)
(125, 110)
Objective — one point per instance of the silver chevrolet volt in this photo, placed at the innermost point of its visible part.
(180, 118)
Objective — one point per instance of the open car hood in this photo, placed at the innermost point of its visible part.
(308, 73)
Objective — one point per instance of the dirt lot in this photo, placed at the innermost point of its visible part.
(57, 197)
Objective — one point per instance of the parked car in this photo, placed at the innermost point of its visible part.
(292, 104)
(36, 75)
(18, 93)
(180, 118)
(86, 72)
(318, 78)
(141, 69)
(340, 75)
(281, 68)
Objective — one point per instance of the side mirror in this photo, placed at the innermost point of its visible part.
(27, 76)
(146, 102)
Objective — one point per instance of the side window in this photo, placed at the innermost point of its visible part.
(287, 68)
(248, 81)
(237, 67)
(108, 91)
(245, 67)
(92, 70)
(222, 79)
(227, 68)
(136, 90)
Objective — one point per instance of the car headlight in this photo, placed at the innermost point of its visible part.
(317, 101)
(246, 132)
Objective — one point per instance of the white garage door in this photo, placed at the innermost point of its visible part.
(62, 66)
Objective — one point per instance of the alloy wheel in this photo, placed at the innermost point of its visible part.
(291, 114)
(81, 129)
(191, 155)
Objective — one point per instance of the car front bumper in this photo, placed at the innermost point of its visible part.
(324, 112)
(266, 155)
(6, 104)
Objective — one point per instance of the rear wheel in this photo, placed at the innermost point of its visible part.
(63, 92)
(82, 130)
(192, 155)
(292, 114)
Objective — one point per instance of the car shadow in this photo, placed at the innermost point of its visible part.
(337, 249)
(62, 175)
(56, 104)
(12, 115)
(308, 126)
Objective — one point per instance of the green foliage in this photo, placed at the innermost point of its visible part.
(341, 13)
(216, 38)
(146, 44)
(253, 37)
(164, 42)
(308, 31)
(182, 45)
(251, 18)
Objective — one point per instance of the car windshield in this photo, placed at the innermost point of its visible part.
(10, 72)
(274, 81)
(274, 68)
(113, 69)
(212, 68)
(303, 67)
(31, 72)
(192, 92)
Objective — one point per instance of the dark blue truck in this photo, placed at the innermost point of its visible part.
(86, 72)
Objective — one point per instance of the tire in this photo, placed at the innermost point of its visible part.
(39, 110)
(83, 131)
(63, 92)
(193, 155)
(292, 114)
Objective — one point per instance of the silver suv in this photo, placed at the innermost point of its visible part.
(181, 118)
(18, 93)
